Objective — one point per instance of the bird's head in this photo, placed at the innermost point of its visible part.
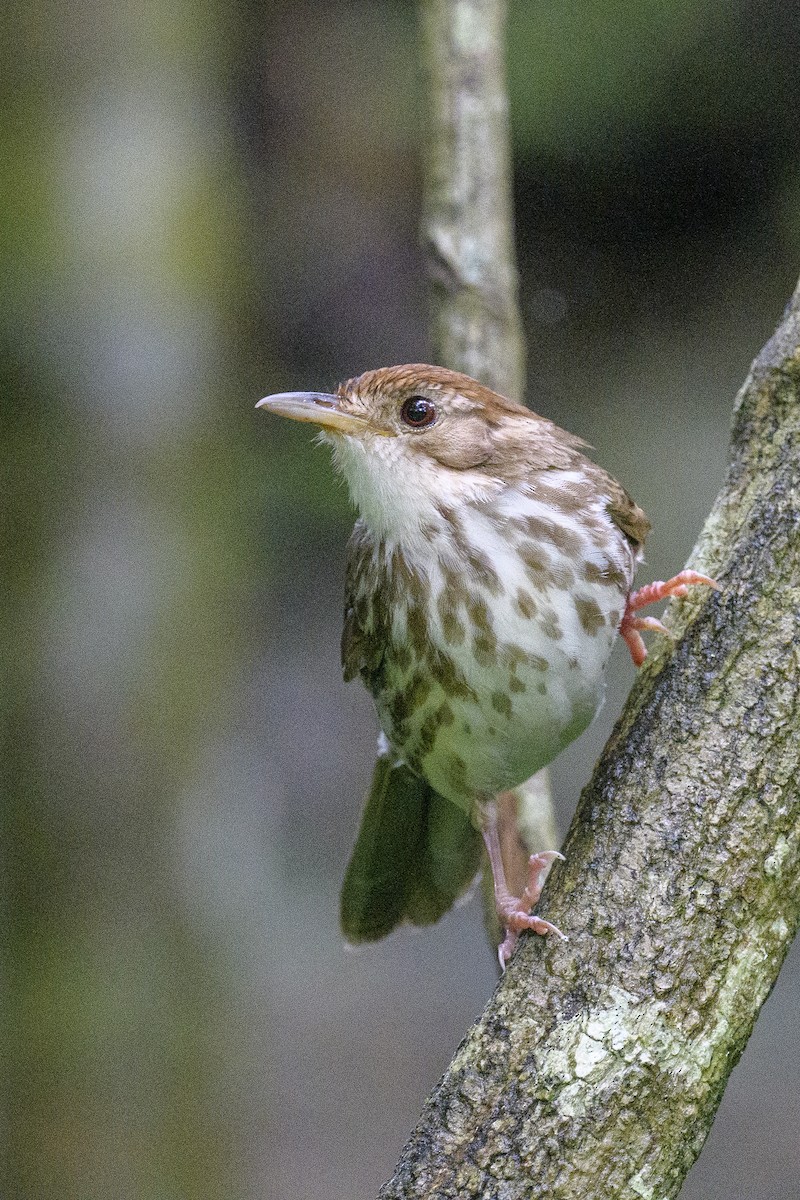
(410, 439)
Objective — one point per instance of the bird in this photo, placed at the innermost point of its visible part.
(488, 575)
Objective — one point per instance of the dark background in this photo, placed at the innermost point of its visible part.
(203, 203)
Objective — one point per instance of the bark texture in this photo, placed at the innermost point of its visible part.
(597, 1067)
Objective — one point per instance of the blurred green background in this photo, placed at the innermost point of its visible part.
(202, 203)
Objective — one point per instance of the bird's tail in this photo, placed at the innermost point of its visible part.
(416, 853)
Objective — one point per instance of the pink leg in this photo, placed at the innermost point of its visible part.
(651, 593)
(514, 912)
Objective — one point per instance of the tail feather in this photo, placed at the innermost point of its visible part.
(415, 854)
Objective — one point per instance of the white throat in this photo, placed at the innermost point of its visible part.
(400, 494)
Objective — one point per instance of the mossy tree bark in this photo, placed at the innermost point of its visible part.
(598, 1066)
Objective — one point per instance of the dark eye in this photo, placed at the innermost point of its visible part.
(418, 412)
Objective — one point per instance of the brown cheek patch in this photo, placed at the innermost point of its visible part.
(460, 443)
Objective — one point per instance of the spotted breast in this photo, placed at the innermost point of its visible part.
(485, 646)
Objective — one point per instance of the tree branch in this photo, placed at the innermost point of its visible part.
(467, 228)
(468, 238)
(598, 1066)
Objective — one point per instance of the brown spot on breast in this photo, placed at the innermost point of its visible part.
(513, 655)
(401, 655)
(525, 604)
(453, 631)
(398, 567)
(617, 576)
(590, 614)
(426, 737)
(535, 527)
(479, 615)
(452, 628)
(445, 714)
(485, 572)
(454, 587)
(417, 628)
(457, 770)
(538, 663)
(484, 647)
(417, 589)
(515, 684)
(567, 540)
(593, 573)
(418, 689)
(570, 498)
(537, 563)
(398, 707)
(449, 677)
(501, 703)
(562, 575)
(548, 623)
(610, 572)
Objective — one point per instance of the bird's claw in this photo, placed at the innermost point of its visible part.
(515, 913)
(651, 593)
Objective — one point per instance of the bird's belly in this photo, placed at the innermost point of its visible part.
(490, 709)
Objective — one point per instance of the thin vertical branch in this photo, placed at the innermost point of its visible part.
(468, 236)
(468, 225)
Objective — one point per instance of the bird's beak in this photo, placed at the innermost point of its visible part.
(319, 408)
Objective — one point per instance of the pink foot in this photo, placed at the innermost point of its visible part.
(651, 593)
(515, 913)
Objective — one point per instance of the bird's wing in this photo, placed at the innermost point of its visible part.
(362, 643)
(626, 514)
(416, 853)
